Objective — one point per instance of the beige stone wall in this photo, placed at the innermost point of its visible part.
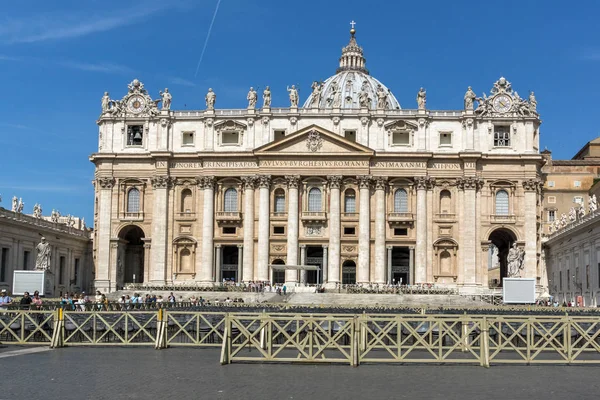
(455, 242)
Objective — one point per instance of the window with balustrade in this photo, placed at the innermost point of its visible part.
(400, 201)
(350, 201)
(230, 200)
(133, 200)
(315, 203)
(502, 203)
(502, 136)
(279, 201)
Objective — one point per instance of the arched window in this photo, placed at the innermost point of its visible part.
(400, 201)
(231, 201)
(350, 201)
(502, 202)
(133, 201)
(445, 202)
(186, 201)
(314, 200)
(279, 203)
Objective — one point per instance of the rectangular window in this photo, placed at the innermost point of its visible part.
(551, 215)
(4, 264)
(577, 183)
(401, 138)
(76, 272)
(229, 230)
(26, 254)
(230, 138)
(550, 183)
(61, 270)
(187, 138)
(279, 230)
(400, 232)
(350, 135)
(502, 136)
(278, 135)
(445, 139)
(578, 200)
(135, 135)
(349, 230)
(551, 199)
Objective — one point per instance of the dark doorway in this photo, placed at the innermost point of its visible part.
(400, 274)
(314, 256)
(278, 274)
(132, 268)
(503, 239)
(229, 263)
(349, 272)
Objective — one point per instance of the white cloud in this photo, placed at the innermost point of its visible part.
(57, 26)
(99, 67)
(181, 82)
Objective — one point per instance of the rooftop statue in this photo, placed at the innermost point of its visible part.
(293, 93)
(252, 97)
(470, 97)
(267, 97)
(422, 99)
(166, 99)
(210, 98)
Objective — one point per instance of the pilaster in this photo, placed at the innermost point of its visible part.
(380, 265)
(208, 227)
(104, 186)
(160, 185)
(264, 184)
(291, 276)
(247, 273)
(333, 275)
(364, 234)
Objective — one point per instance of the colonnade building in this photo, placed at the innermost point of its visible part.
(350, 182)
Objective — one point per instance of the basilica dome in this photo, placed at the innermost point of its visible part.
(351, 85)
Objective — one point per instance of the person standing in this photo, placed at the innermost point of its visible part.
(5, 300)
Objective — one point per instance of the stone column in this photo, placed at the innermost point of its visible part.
(380, 184)
(142, 275)
(324, 266)
(421, 248)
(264, 183)
(389, 264)
(303, 262)
(531, 187)
(291, 276)
(104, 187)
(160, 184)
(333, 275)
(411, 265)
(248, 263)
(208, 228)
(240, 262)
(218, 252)
(469, 243)
(364, 234)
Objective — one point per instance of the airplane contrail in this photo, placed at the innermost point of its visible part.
(207, 37)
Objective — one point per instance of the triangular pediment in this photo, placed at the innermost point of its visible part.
(314, 140)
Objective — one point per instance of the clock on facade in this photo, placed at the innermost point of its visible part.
(135, 104)
(502, 103)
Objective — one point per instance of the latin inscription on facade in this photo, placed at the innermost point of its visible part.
(438, 165)
(314, 163)
(397, 164)
(181, 164)
(230, 164)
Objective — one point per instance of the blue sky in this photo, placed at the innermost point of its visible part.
(57, 59)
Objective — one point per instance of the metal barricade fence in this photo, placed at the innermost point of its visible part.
(314, 338)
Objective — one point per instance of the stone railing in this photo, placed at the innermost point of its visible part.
(302, 110)
(42, 223)
(572, 225)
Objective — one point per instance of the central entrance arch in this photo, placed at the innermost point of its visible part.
(131, 255)
(502, 239)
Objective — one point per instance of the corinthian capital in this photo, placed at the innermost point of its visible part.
(364, 181)
(264, 181)
(160, 181)
(105, 182)
(424, 182)
(292, 181)
(206, 182)
(531, 185)
(249, 181)
(469, 183)
(380, 182)
(335, 181)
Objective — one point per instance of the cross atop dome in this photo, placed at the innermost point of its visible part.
(352, 58)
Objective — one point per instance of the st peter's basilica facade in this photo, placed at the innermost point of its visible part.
(349, 183)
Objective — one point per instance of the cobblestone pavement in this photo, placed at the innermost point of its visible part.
(142, 373)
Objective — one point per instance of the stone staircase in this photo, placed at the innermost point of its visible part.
(371, 300)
